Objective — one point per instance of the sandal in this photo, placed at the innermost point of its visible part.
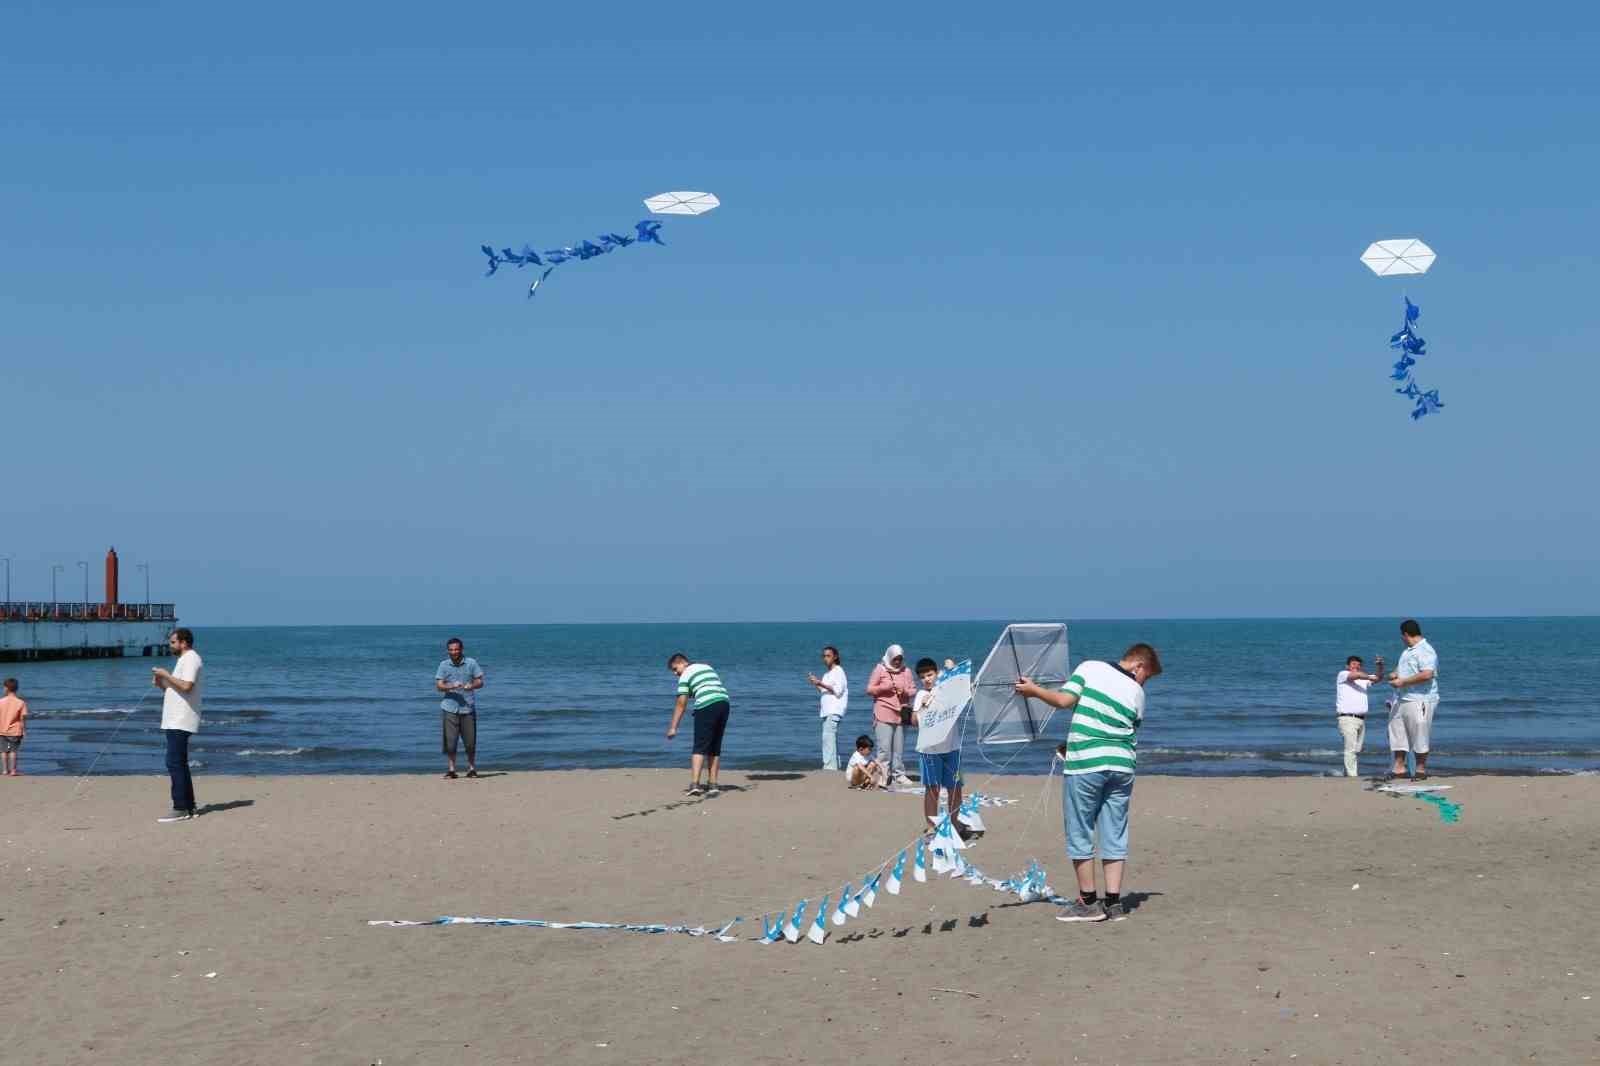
(472, 773)
(450, 775)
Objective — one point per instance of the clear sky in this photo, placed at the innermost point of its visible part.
(1010, 310)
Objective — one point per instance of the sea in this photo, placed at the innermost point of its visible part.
(1238, 697)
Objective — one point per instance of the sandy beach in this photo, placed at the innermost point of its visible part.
(1249, 942)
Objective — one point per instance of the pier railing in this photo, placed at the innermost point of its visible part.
(45, 611)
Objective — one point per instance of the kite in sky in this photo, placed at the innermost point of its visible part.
(1400, 257)
(646, 232)
(1405, 256)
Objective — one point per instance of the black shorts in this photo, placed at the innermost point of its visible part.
(10, 744)
(709, 723)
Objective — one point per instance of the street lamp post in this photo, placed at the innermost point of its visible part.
(146, 568)
(55, 569)
(8, 578)
(85, 567)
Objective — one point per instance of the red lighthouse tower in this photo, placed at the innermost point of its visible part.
(111, 583)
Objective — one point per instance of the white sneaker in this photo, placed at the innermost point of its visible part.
(176, 816)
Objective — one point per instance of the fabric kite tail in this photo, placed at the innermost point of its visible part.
(494, 260)
(649, 232)
(538, 281)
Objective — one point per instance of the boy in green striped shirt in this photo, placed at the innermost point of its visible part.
(1098, 760)
(700, 685)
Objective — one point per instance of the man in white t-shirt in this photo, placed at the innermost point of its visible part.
(180, 719)
(1350, 706)
(835, 690)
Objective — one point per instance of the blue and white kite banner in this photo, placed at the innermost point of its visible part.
(1410, 346)
(941, 850)
(647, 232)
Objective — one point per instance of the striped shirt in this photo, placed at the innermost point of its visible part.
(702, 685)
(1105, 720)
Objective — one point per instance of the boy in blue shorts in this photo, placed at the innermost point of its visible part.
(1098, 761)
(939, 749)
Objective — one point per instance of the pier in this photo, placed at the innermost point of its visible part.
(39, 631)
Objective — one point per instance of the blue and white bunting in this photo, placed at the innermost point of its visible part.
(791, 932)
(944, 846)
(893, 884)
(819, 929)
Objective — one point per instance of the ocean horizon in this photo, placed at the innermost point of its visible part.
(1240, 696)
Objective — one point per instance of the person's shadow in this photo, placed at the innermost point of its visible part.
(218, 808)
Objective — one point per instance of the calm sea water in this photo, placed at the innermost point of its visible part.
(1238, 697)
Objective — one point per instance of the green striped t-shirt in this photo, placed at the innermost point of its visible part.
(1105, 721)
(702, 685)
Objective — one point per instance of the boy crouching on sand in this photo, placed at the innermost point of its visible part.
(863, 770)
(1098, 761)
(13, 727)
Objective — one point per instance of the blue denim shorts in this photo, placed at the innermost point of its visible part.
(1096, 802)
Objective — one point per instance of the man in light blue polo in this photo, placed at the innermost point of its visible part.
(1416, 686)
(458, 679)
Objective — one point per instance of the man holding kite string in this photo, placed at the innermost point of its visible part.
(1098, 763)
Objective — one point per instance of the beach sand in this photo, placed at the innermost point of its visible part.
(1471, 942)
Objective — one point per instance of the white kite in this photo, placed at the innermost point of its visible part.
(682, 203)
(1406, 255)
(1035, 650)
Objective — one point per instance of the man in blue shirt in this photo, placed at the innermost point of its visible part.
(1416, 687)
(459, 679)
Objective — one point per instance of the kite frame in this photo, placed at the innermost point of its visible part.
(1035, 724)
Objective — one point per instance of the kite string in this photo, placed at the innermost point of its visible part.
(107, 745)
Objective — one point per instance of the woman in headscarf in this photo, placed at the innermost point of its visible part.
(892, 689)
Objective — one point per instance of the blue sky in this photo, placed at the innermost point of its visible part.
(1015, 311)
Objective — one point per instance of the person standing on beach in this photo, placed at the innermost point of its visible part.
(699, 684)
(13, 727)
(180, 719)
(938, 748)
(1416, 684)
(1098, 761)
(1350, 708)
(835, 689)
(892, 689)
(459, 679)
